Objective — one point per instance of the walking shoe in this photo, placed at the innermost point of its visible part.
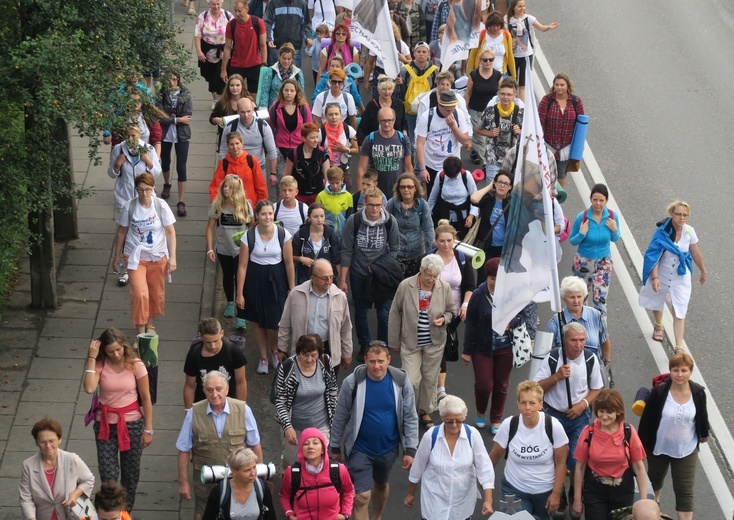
(475, 157)
(241, 323)
(166, 191)
(123, 279)
(494, 428)
(181, 207)
(275, 360)
(229, 310)
(560, 513)
(480, 422)
(262, 366)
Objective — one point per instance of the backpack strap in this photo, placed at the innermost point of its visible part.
(225, 165)
(281, 237)
(553, 359)
(260, 495)
(514, 423)
(468, 433)
(549, 427)
(250, 162)
(131, 209)
(277, 209)
(434, 436)
(303, 210)
(260, 124)
(250, 235)
(224, 488)
(431, 113)
(295, 481)
(336, 478)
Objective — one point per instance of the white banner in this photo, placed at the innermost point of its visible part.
(462, 31)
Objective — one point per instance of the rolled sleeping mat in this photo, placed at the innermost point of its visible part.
(579, 138)
(354, 71)
(638, 405)
(478, 174)
(148, 351)
(477, 255)
(543, 345)
(561, 194)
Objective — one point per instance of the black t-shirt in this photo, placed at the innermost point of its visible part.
(307, 172)
(483, 90)
(226, 361)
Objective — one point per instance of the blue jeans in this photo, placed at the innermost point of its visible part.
(359, 294)
(573, 428)
(533, 504)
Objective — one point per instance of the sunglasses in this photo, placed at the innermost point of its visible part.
(487, 59)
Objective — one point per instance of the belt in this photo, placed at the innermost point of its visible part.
(550, 408)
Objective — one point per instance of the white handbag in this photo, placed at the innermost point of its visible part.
(84, 508)
(522, 348)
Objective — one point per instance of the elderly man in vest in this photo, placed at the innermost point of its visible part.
(211, 431)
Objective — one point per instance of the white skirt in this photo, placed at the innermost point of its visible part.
(674, 287)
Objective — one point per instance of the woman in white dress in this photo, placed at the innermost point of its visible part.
(667, 269)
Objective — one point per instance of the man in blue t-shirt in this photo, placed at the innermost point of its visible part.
(374, 417)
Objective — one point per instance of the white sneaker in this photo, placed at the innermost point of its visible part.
(275, 360)
(262, 366)
(123, 279)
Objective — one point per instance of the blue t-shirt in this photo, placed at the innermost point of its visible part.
(378, 433)
(498, 235)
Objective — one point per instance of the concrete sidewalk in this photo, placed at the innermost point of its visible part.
(42, 354)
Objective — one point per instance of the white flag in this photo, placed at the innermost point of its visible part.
(372, 27)
(462, 31)
(528, 270)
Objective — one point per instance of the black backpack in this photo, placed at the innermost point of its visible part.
(250, 163)
(588, 356)
(336, 480)
(260, 125)
(515, 422)
(231, 27)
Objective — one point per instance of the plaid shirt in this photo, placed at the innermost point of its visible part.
(442, 16)
(558, 126)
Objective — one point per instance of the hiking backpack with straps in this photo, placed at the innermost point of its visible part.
(588, 357)
(259, 494)
(627, 437)
(302, 210)
(326, 95)
(515, 422)
(335, 477)
(417, 86)
(513, 117)
(585, 216)
(250, 163)
(432, 112)
(232, 27)
(260, 125)
(134, 203)
(250, 234)
(434, 435)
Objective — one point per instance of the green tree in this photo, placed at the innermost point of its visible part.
(63, 60)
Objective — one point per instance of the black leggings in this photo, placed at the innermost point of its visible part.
(229, 274)
(182, 155)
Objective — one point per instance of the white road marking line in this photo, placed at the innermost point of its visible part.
(719, 429)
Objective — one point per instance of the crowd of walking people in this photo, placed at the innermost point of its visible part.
(306, 246)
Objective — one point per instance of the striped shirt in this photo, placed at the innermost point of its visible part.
(424, 326)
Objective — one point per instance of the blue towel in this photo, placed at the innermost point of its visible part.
(661, 242)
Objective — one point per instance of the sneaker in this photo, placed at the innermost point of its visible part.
(123, 279)
(241, 323)
(229, 310)
(560, 513)
(166, 191)
(262, 366)
(494, 428)
(181, 208)
(480, 422)
(475, 157)
(275, 360)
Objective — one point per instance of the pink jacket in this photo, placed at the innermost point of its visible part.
(284, 138)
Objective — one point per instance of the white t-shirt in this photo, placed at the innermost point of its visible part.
(530, 465)
(556, 396)
(324, 98)
(324, 11)
(145, 230)
(518, 28)
(267, 253)
(440, 139)
(404, 50)
(498, 46)
(452, 275)
(292, 219)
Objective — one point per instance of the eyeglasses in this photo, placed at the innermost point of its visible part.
(374, 205)
(455, 422)
(145, 190)
(681, 215)
(502, 183)
(487, 59)
(324, 278)
(336, 82)
(384, 121)
(340, 34)
(407, 187)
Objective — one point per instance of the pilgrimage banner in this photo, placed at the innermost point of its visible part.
(462, 31)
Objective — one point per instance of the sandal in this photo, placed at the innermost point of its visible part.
(658, 334)
(181, 206)
(150, 329)
(426, 420)
(678, 350)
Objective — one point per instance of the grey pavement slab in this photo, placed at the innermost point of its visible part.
(8, 403)
(84, 274)
(176, 330)
(190, 245)
(190, 227)
(55, 391)
(91, 240)
(88, 257)
(57, 368)
(68, 327)
(29, 412)
(9, 496)
(158, 495)
(16, 358)
(73, 308)
(101, 224)
(72, 348)
(164, 441)
(115, 318)
(4, 430)
(80, 290)
(86, 448)
(188, 276)
(17, 338)
(18, 318)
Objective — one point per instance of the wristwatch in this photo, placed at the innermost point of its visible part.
(149, 432)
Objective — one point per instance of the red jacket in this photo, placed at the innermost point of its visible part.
(252, 179)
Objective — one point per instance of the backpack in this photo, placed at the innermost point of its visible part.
(627, 436)
(250, 234)
(347, 129)
(515, 422)
(134, 204)
(232, 26)
(274, 117)
(443, 174)
(336, 480)
(574, 102)
(260, 125)
(302, 210)
(434, 435)
(401, 135)
(229, 16)
(513, 117)
(586, 211)
(388, 227)
(419, 210)
(588, 356)
(259, 494)
(326, 94)
(250, 163)
(417, 86)
(432, 112)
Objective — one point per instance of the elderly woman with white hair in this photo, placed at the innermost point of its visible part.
(422, 308)
(573, 293)
(451, 458)
(243, 495)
